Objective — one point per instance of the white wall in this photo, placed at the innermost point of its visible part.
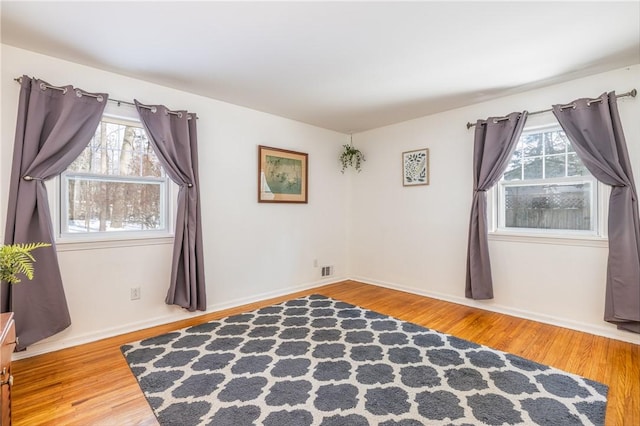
(415, 238)
(367, 225)
(251, 250)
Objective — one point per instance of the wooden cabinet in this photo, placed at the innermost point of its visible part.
(7, 345)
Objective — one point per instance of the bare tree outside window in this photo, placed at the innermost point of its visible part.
(116, 185)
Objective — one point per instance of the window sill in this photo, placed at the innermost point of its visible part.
(554, 239)
(96, 244)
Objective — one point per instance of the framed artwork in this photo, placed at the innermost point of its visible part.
(282, 175)
(415, 167)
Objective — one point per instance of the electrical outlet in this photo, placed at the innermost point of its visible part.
(135, 293)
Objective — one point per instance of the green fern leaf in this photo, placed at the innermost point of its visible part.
(16, 259)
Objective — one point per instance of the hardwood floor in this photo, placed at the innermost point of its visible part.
(92, 385)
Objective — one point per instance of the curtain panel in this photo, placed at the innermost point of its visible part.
(175, 142)
(494, 142)
(53, 126)
(594, 128)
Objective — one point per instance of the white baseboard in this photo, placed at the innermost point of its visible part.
(56, 343)
(51, 345)
(605, 330)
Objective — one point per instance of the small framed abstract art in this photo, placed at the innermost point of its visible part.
(415, 167)
(282, 175)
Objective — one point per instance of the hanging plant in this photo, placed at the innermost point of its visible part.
(351, 157)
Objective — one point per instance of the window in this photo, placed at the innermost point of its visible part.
(546, 188)
(115, 187)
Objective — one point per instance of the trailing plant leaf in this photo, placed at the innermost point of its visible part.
(351, 157)
(17, 259)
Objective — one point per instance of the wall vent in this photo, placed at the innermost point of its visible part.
(327, 271)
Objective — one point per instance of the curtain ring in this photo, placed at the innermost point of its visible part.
(177, 114)
(593, 101)
(45, 87)
(154, 109)
(497, 120)
(78, 93)
(572, 106)
(99, 98)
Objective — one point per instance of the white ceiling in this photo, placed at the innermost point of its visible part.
(346, 66)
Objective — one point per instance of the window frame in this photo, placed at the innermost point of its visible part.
(596, 236)
(72, 240)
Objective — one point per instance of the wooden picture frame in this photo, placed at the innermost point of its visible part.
(415, 167)
(282, 175)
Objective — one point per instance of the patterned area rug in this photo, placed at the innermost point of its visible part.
(319, 361)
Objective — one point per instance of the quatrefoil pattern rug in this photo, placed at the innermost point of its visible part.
(320, 361)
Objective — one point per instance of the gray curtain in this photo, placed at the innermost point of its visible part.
(494, 142)
(53, 128)
(174, 138)
(594, 128)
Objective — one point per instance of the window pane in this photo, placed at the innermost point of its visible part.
(514, 170)
(541, 188)
(118, 150)
(560, 206)
(533, 168)
(555, 142)
(100, 206)
(531, 144)
(116, 184)
(554, 166)
(575, 167)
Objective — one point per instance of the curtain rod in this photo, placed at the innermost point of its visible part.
(99, 98)
(632, 93)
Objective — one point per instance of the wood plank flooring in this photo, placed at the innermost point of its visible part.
(92, 385)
